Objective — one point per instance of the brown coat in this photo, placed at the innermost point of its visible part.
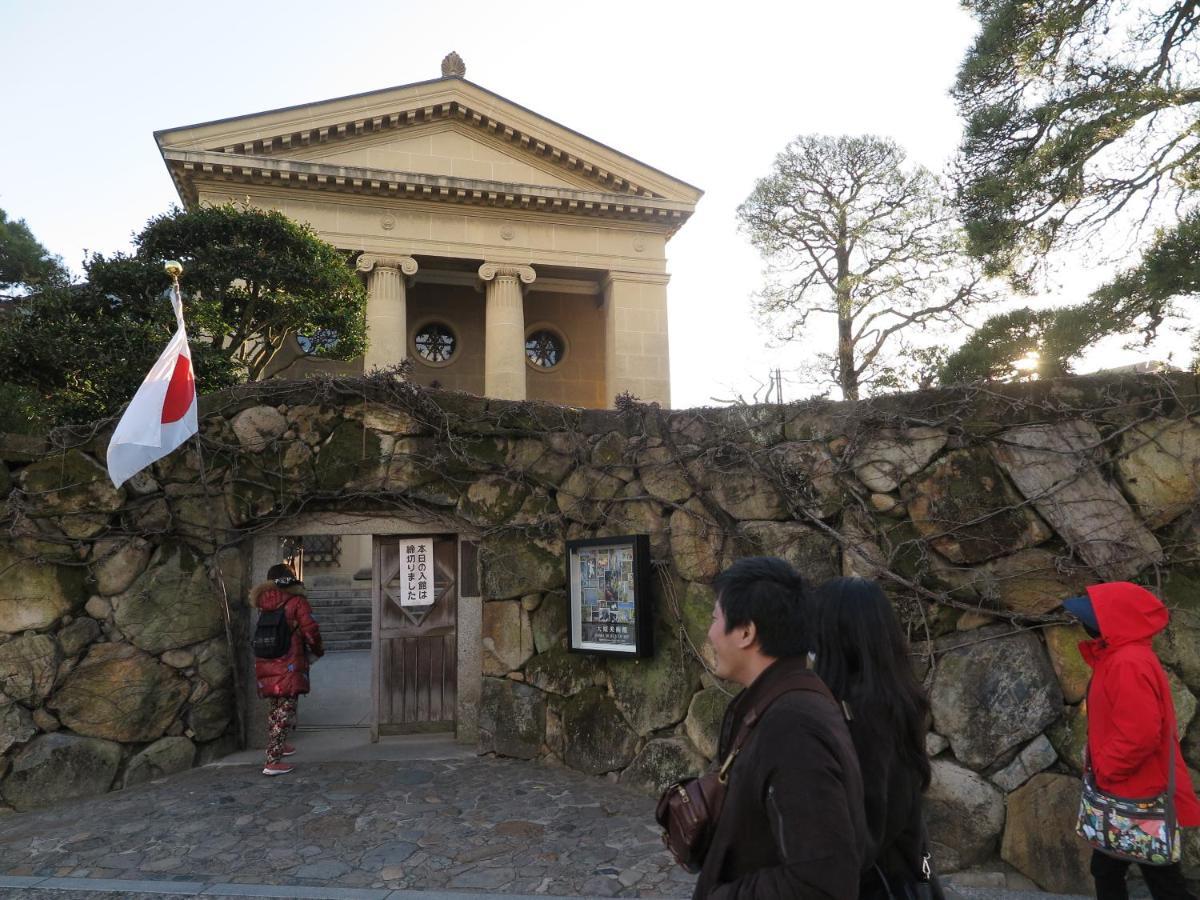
(793, 823)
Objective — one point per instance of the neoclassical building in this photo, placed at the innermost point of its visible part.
(504, 253)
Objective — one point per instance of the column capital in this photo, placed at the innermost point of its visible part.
(370, 261)
(490, 271)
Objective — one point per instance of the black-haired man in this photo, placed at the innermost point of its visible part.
(792, 824)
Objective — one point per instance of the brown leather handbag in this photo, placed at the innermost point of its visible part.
(689, 809)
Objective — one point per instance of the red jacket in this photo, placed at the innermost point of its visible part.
(287, 676)
(1129, 707)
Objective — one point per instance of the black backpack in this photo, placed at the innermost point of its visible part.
(272, 636)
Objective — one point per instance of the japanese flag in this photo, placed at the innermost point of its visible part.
(162, 414)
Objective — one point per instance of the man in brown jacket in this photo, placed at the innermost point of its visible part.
(793, 824)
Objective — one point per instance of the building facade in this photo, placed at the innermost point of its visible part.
(505, 254)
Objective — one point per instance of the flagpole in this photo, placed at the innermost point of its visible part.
(174, 269)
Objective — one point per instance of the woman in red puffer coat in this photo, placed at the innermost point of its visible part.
(282, 680)
(1131, 721)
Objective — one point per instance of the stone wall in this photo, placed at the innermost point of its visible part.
(979, 509)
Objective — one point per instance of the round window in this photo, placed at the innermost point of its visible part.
(544, 348)
(435, 343)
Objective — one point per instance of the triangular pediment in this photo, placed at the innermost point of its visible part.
(443, 148)
(448, 127)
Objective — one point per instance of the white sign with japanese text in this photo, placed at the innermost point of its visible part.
(416, 572)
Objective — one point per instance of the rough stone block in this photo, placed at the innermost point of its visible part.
(1069, 737)
(1056, 467)
(172, 604)
(16, 725)
(1037, 756)
(57, 767)
(512, 718)
(703, 723)
(120, 694)
(1074, 675)
(696, 542)
(33, 597)
(747, 495)
(888, 458)
(117, 563)
(1039, 837)
(258, 427)
(1159, 465)
(164, 757)
(507, 637)
(492, 500)
(966, 510)
(596, 736)
(662, 762)
(550, 621)
(561, 672)
(78, 636)
(654, 693)
(74, 490)
(515, 564)
(815, 555)
(208, 718)
(28, 666)
(965, 815)
(994, 694)
(809, 473)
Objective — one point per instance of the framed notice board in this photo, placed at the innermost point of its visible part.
(608, 581)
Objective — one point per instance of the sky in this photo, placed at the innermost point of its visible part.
(708, 93)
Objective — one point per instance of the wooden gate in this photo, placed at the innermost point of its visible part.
(414, 648)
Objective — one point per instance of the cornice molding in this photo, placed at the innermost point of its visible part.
(616, 277)
(186, 166)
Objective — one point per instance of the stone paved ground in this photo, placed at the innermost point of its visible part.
(463, 824)
(481, 826)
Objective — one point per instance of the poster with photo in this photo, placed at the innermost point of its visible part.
(608, 595)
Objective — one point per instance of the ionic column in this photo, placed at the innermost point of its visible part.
(504, 330)
(387, 311)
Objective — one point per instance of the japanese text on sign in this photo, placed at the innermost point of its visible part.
(416, 572)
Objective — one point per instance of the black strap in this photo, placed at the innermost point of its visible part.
(794, 681)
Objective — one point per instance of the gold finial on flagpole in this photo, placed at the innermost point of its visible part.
(174, 268)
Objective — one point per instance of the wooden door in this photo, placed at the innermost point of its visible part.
(415, 649)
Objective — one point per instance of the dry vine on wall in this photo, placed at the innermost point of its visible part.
(979, 509)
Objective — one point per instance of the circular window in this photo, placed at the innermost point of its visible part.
(544, 348)
(435, 343)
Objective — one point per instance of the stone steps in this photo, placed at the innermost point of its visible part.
(344, 614)
(357, 644)
(332, 594)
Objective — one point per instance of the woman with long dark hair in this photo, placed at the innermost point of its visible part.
(864, 659)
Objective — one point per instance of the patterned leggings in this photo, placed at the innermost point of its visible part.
(280, 719)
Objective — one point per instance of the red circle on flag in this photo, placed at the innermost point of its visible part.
(181, 392)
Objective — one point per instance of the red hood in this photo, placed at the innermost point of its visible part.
(1126, 613)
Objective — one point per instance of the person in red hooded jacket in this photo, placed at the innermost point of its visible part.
(1131, 721)
(281, 681)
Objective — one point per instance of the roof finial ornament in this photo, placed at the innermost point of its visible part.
(453, 66)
